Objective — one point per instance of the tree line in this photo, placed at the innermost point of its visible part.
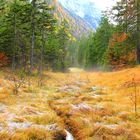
(116, 42)
(32, 37)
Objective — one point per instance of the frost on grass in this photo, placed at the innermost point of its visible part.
(81, 106)
(69, 89)
(11, 126)
(98, 88)
(3, 108)
(109, 126)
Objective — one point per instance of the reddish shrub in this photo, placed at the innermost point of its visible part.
(3, 60)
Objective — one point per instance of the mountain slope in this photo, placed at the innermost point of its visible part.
(87, 10)
(78, 25)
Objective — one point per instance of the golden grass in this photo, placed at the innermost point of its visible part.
(4, 93)
(48, 119)
(4, 135)
(32, 134)
(112, 107)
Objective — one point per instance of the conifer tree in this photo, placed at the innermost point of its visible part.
(63, 38)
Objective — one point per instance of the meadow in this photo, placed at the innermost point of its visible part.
(77, 105)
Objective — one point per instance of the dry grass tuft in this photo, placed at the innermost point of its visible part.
(4, 135)
(4, 93)
(32, 134)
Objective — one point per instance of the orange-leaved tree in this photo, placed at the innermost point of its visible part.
(120, 53)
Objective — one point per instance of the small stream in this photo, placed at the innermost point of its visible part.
(69, 136)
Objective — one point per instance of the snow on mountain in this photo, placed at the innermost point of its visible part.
(85, 9)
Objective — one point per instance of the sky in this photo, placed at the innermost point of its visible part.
(100, 4)
(103, 4)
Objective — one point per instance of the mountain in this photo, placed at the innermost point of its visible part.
(77, 24)
(85, 9)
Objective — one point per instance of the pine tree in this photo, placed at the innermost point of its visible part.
(63, 38)
(33, 14)
(46, 25)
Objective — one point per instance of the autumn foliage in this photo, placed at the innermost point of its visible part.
(118, 37)
(3, 60)
(119, 54)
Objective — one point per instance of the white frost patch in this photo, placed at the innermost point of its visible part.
(81, 106)
(98, 88)
(95, 96)
(1, 127)
(47, 127)
(109, 126)
(11, 126)
(69, 136)
(98, 107)
(15, 125)
(80, 83)
(69, 88)
(3, 108)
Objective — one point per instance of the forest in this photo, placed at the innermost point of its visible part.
(32, 36)
(61, 82)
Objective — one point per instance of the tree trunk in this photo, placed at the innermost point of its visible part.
(138, 31)
(14, 47)
(126, 18)
(42, 49)
(33, 37)
(23, 56)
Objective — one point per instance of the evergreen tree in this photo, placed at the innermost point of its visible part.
(46, 25)
(99, 46)
(63, 38)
